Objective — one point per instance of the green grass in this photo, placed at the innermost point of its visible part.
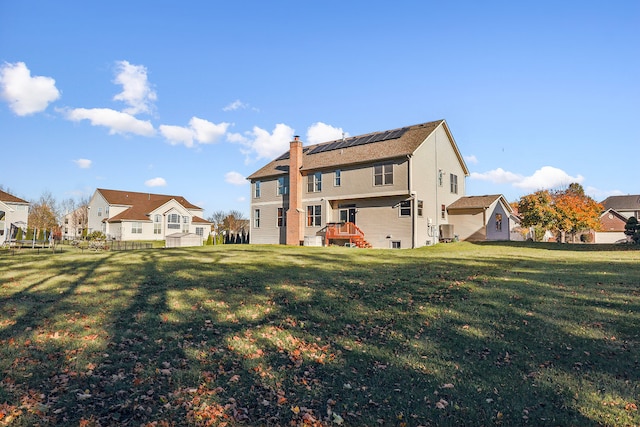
(456, 334)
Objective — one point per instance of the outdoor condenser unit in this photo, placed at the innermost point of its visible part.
(446, 232)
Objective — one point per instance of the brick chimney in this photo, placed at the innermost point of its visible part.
(295, 214)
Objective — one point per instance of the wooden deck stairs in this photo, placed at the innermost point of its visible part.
(346, 232)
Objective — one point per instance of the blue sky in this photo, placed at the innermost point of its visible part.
(189, 98)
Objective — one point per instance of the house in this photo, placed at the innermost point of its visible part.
(127, 215)
(387, 189)
(483, 218)
(14, 214)
(618, 209)
(75, 222)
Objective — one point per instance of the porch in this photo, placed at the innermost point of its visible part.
(345, 232)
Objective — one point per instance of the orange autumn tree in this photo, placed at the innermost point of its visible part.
(575, 211)
(562, 211)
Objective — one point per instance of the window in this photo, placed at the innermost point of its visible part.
(185, 224)
(66, 220)
(440, 177)
(66, 230)
(420, 207)
(405, 208)
(314, 215)
(257, 190)
(314, 182)
(443, 211)
(383, 174)
(136, 228)
(282, 218)
(256, 218)
(454, 183)
(337, 179)
(99, 211)
(498, 222)
(200, 231)
(283, 185)
(173, 221)
(157, 224)
(106, 211)
(395, 244)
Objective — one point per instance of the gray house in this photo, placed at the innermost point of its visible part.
(387, 189)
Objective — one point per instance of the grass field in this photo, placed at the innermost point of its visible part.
(456, 334)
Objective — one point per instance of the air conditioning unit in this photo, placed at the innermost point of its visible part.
(446, 232)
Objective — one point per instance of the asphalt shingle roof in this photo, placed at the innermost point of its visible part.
(141, 204)
(405, 145)
(6, 197)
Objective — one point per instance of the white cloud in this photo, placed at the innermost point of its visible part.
(155, 182)
(83, 163)
(25, 94)
(199, 130)
(136, 91)
(471, 159)
(235, 178)
(269, 145)
(547, 177)
(238, 138)
(322, 132)
(207, 132)
(116, 121)
(235, 105)
(497, 176)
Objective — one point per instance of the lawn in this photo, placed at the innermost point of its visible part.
(456, 334)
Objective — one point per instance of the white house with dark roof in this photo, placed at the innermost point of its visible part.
(14, 214)
(128, 215)
(387, 189)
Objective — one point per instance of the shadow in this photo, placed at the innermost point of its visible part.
(260, 335)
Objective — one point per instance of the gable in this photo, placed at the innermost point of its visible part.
(10, 198)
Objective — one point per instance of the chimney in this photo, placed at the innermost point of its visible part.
(295, 213)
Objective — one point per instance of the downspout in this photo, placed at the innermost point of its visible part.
(436, 227)
(414, 202)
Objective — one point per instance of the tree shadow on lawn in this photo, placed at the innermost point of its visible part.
(272, 337)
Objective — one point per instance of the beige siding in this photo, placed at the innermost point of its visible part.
(434, 155)
(469, 225)
(268, 232)
(357, 181)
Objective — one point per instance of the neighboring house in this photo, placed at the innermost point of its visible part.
(618, 209)
(385, 189)
(127, 215)
(481, 218)
(14, 214)
(611, 227)
(74, 223)
(627, 206)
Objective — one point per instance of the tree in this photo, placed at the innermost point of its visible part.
(563, 211)
(235, 222)
(217, 220)
(43, 214)
(535, 211)
(632, 229)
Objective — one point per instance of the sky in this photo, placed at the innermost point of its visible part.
(189, 98)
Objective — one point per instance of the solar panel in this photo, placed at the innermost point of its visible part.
(352, 142)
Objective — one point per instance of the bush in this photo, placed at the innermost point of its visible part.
(96, 235)
(209, 240)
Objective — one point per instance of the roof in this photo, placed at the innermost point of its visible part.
(628, 203)
(141, 204)
(478, 202)
(359, 149)
(10, 198)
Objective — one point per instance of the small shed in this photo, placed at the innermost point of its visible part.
(181, 240)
